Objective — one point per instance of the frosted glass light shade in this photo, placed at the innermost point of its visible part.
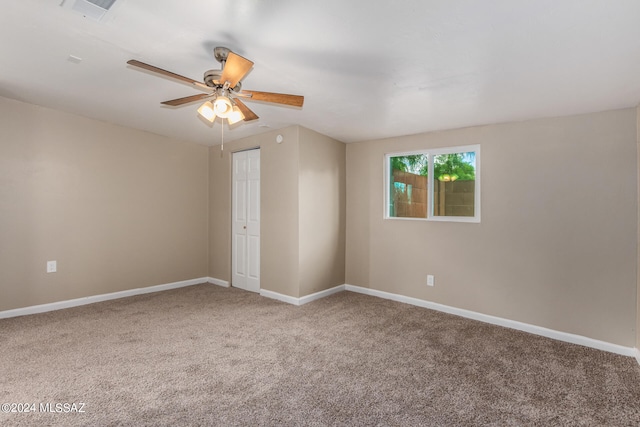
(222, 106)
(206, 111)
(235, 116)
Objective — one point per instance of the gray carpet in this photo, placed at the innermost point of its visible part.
(206, 355)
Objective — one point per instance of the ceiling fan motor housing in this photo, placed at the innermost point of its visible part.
(212, 79)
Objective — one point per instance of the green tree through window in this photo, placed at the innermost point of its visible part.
(460, 165)
(413, 163)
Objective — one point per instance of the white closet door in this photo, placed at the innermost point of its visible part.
(245, 227)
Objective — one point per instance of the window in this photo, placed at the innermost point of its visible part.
(452, 195)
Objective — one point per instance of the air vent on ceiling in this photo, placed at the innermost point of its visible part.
(94, 9)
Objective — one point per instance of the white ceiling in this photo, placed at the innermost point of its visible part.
(368, 69)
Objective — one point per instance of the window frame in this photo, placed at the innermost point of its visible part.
(431, 153)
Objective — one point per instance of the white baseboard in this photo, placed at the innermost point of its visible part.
(316, 296)
(537, 330)
(279, 297)
(218, 282)
(638, 354)
(302, 300)
(42, 308)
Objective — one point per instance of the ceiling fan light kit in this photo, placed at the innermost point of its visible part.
(223, 89)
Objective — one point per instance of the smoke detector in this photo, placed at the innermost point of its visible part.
(92, 9)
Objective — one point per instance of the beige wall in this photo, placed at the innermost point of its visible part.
(557, 243)
(322, 208)
(295, 259)
(117, 208)
(360, 162)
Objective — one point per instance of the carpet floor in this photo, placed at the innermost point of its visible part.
(208, 356)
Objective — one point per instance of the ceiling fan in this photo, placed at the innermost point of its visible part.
(223, 89)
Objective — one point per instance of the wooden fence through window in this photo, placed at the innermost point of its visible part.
(409, 193)
(409, 196)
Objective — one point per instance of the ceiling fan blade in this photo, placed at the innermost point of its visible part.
(187, 99)
(235, 68)
(248, 114)
(276, 98)
(163, 72)
(202, 86)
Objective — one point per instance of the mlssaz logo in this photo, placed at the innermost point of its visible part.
(64, 408)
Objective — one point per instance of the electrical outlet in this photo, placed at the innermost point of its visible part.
(430, 280)
(52, 266)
